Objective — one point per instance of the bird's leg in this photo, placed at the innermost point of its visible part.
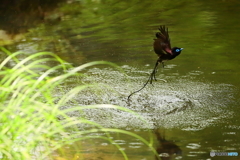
(162, 64)
(153, 74)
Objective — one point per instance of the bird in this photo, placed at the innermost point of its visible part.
(162, 47)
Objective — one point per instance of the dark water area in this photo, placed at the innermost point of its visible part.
(196, 105)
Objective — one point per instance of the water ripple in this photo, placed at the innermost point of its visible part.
(181, 102)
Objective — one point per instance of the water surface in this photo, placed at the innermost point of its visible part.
(196, 105)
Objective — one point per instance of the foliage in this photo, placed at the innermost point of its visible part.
(32, 125)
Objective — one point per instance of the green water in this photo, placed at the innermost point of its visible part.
(197, 106)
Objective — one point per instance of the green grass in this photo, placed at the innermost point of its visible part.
(32, 125)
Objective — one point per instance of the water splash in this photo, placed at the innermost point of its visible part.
(181, 102)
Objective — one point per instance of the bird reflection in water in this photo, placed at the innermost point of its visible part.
(166, 149)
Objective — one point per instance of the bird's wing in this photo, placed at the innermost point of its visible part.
(163, 40)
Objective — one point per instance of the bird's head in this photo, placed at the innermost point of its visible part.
(176, 51)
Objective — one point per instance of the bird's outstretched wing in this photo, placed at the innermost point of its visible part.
(162, 44)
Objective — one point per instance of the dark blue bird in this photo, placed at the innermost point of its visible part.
(162, 48)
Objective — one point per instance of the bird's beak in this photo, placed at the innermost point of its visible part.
(181, 48)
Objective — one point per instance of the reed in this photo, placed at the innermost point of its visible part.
(32, 124)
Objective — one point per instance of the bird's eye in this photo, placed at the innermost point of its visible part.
(177, 50)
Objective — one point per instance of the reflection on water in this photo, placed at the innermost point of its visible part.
(166, 149)
(100, 149)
